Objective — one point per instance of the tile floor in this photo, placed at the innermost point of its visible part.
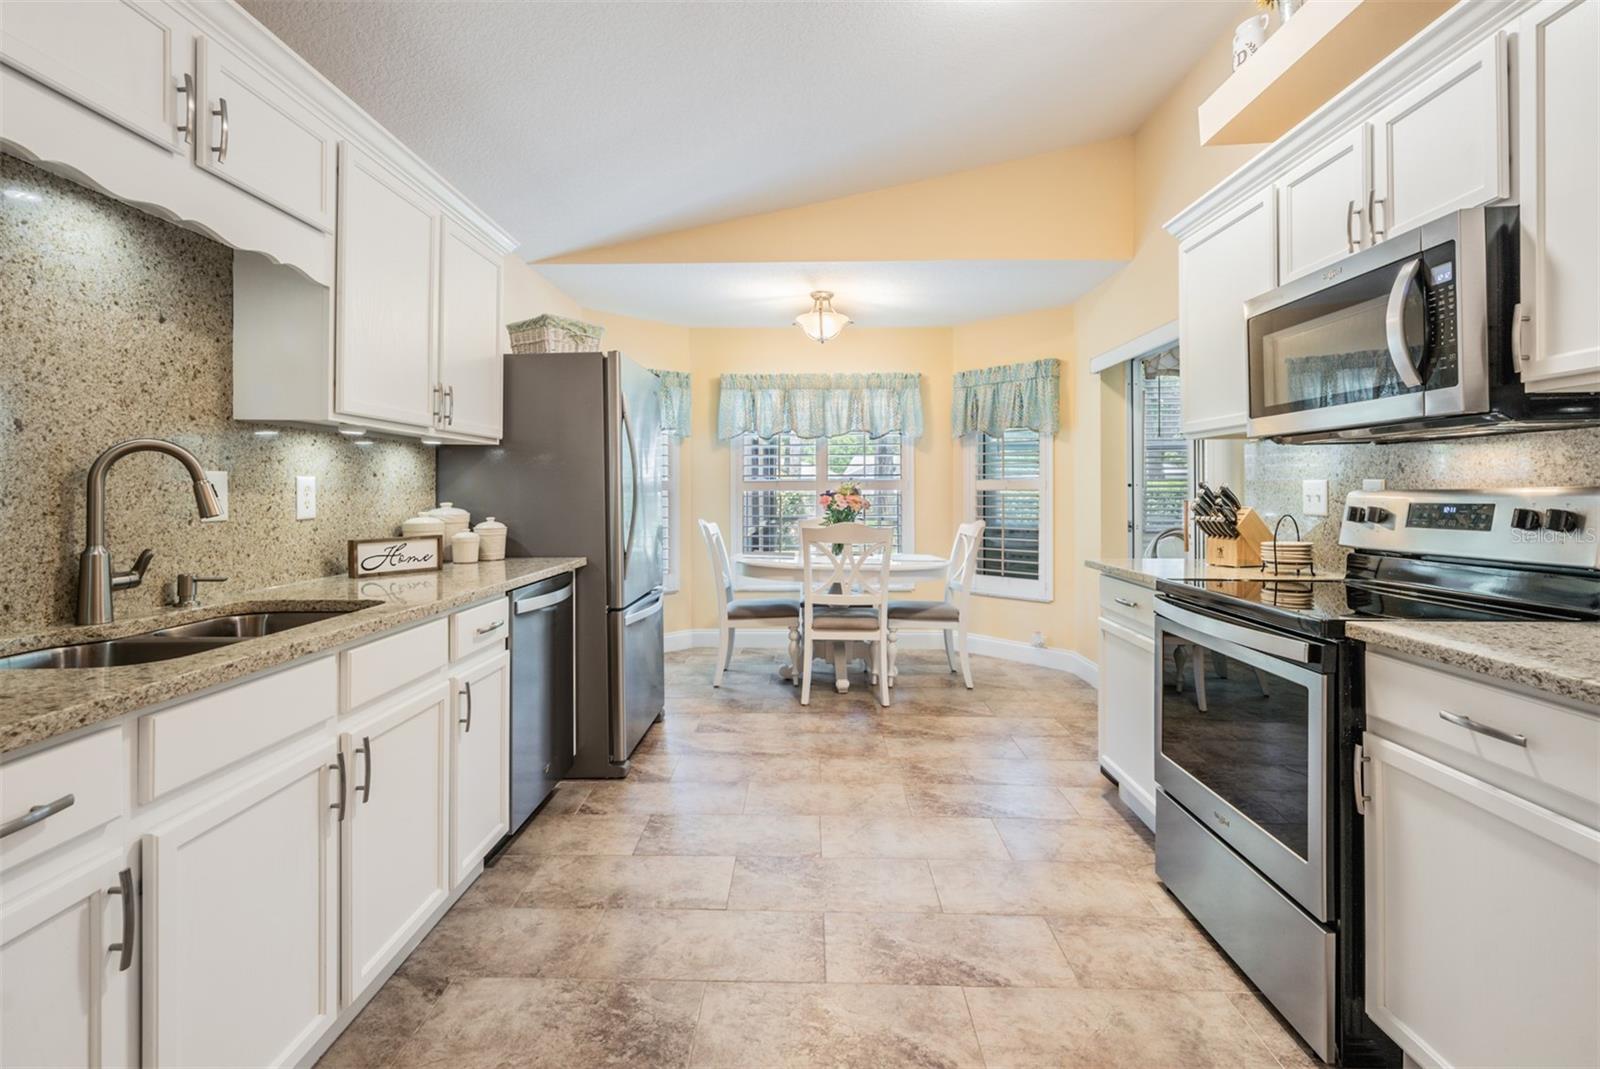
(948, 882)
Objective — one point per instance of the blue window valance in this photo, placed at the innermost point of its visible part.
(675, 402)
(820, 405)
(993, 400)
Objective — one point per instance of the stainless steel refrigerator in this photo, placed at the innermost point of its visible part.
(577, 473)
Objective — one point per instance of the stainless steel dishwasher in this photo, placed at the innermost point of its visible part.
(543, 697)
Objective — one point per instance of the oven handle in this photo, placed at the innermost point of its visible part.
(1394, 321)
(1273, 645)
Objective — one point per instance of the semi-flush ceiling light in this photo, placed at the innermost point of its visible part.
(822, 323)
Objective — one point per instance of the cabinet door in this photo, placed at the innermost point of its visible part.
(471, 353)
(262, 139)
(1558, 153)
(240, 921)
(480, 768)
(1128, 715)
(1483, 936)
(395, 843)
(123, 59)
(385, 295)
(1322, 206)
(1219, 268)
(1444, 145)
(66, 998)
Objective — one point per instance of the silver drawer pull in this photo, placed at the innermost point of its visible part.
(1125, 603)
(486, 628)
(35, 814)
(1482, 729)
(130, 913)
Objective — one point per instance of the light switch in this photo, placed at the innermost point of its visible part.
(305, 497)
(1314, 497)
(219, 483)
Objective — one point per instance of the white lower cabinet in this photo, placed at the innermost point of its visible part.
(1483, 918)
(394, 838)
(70, 996)
(240, 909)
(480, 746)
(1127, 735)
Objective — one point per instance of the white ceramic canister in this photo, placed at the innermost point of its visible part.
(464, 547)
(421, 526)
(492, 539)
(454, 519)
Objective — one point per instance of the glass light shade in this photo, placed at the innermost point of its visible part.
(821, 326)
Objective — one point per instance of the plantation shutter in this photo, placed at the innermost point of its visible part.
(1162, 471)
(1009, 490)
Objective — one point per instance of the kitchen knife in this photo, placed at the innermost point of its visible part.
(1231, 499)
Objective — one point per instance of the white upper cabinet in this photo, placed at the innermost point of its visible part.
(385, 293)
(471, 351)
(1323, 205)
(121, 59)
(1221, 266)
(1444, 146)
(263, 140)
(1558, 151)
(480, 809)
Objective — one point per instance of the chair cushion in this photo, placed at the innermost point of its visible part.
(833, 618)
(763, 609)
(929, 611)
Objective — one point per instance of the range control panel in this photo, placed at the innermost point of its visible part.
(1558, 527)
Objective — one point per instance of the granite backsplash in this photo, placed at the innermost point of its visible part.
(1273, 472)
(115, 324)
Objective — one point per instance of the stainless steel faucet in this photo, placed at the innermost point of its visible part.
(96, 580)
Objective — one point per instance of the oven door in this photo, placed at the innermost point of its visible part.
(1244, 721)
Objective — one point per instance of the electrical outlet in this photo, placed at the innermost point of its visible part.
(305, 497)
(219, 483)
(1314, 497)
(1037, 642)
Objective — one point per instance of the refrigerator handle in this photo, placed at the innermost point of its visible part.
(633, 460)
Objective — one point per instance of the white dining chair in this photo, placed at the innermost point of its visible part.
(846, 587)
(949, 615)
(734, 613)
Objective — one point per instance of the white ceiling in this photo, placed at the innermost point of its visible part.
(579, 124)
(900, 294)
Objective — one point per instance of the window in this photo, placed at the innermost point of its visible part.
(777, 480)
(1008, 478)
(667, 448)
(1161, 458)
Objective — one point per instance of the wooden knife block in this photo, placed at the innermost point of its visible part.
(1244, 551)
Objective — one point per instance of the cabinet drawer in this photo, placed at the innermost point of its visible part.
(180, 745)
(373, 670)
(1562, 747)
(89, 771)
(1128, 603)
(478, 628)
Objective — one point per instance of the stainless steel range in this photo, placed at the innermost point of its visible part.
(1259, 707)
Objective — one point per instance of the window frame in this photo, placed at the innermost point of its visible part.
(906, 485)
(671, 449)
(1041, 589)
(1135, 454)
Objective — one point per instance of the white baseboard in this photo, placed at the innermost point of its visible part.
(986, 645)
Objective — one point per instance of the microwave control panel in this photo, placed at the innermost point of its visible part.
(1439, 292)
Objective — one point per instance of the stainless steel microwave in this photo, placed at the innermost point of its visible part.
(1408, 339)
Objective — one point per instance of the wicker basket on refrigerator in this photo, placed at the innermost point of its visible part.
(554, 334)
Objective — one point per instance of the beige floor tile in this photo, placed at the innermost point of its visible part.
(613, 797)
(1069, 747)
(790, 721)
(855, 770)
(911, 749)
(1274, 1034)
(556, 1024)
(622, 882)
(963, 727)
(819, 796)
(1032, 801)
(395, 1012)
(738, 768)
(921, 837)
(689, 944)
(499, 884)
(1095, 841)
(1164, 954)
(501, 941)
(1043, 887)
(652, 767)
(843, 1026)
(778, 744)
(942, 949)
(567, 797)
(730, 836)
(857, 885)
(1000, 770)
(579, 833)
(1100, 802)
(1021, 1027)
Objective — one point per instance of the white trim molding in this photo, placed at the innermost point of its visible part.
(1148, 342)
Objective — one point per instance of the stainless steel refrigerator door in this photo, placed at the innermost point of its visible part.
(634, 477)
(638, 672)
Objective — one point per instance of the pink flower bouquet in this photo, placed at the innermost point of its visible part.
(844, 504)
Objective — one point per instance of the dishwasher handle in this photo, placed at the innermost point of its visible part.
(542, 601)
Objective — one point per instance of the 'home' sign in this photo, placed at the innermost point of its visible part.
(387, 556)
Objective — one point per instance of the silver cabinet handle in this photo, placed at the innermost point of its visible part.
(466, 721)
(365, 749)
(35, 814)
(1394, 324)
(487, 628)
(1482, 729)
(221, 112)
(449, 406)
(186, 127)
(338, 766)
(1350, 226)
(438, 403)
(1126, 603)
(1373, 200)
(124, 888)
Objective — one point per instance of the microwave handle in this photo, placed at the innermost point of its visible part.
(1395, 324)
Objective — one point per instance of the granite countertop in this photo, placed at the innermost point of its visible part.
(1561, 659)
(1146, 570)
(41, 703)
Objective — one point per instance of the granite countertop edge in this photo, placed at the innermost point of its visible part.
(1147, 570)
(1558, 659)
(41, 704)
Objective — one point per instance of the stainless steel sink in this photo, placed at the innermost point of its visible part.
(247, 625)
(166, 643)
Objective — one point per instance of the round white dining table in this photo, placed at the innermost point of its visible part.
(904, 570)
